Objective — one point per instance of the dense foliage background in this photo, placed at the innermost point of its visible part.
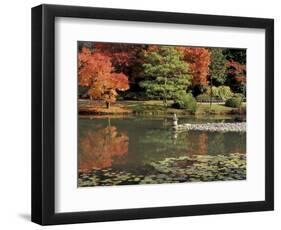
(111, 71)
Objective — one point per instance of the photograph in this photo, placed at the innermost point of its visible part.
(155, 114)
(172, 113)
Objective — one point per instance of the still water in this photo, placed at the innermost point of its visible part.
(130, 143)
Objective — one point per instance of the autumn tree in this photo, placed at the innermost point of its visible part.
(95, 72)
(166, 74)
(126, 58)
(236, 76)
(198, 60)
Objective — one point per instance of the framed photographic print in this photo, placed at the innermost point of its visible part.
(141, 114)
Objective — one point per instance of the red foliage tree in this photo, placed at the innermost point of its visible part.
(118, 53)
(237, 73)
(96, 73)
(198, 60)
(152, 48)
(126, 58)
(237, 70)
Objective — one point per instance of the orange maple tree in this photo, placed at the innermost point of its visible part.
(118, 52)
(198, 60)
(125, 58)
(96, 72)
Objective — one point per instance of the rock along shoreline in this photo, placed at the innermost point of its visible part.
(214, 127)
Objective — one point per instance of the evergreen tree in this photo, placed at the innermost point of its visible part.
(166, 73)
(217, 68)
(237, 55)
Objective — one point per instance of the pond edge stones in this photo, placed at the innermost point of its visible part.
(213, 127)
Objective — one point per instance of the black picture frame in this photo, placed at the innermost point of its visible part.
(43, 114)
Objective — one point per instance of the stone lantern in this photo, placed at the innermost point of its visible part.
(175, 121)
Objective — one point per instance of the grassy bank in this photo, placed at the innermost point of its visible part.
(152, 107)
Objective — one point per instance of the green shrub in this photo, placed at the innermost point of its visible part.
(224, 92)
(240, 95)
(187, 102)
(214, 91)
(203, 97)
(234, 102)
(206, 98)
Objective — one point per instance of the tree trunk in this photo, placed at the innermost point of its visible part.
(108, 105)
(165, 102)
(165, 94)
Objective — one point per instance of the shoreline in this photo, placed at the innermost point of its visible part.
(152, 108)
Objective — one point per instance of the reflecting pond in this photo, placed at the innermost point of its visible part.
(145, 150)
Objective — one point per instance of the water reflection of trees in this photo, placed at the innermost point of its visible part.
(158, 144)
(103, 145)
(100, 146)
(199, 144)
(224, 143)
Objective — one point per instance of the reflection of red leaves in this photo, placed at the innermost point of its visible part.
(202, 144)
(99, 148)
(199, 144)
